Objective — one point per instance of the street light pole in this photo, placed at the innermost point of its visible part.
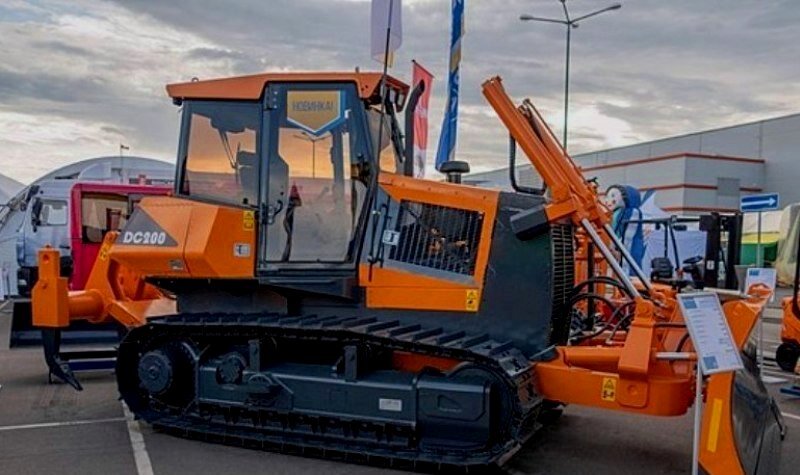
(569, 23)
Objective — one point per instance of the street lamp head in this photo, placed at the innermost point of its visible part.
(615, 6)
(525, 17)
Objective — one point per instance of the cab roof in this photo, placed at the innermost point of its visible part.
(251, 87)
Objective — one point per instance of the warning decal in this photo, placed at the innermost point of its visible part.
(248, 220)
(472, 301)
(609, 390)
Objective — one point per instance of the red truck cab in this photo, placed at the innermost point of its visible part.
(96, 209)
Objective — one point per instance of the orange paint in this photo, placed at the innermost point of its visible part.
(252, 87)
(398, 289)
(207, 237)
(413, 363)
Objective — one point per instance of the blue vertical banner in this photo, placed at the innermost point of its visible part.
(447, 139)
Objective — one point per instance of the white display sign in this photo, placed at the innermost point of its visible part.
(711, 336)
(761, 275)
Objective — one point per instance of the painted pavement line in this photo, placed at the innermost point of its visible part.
(140, 456)
(45, 425)
(791, 416)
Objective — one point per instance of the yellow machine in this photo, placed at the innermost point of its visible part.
(301, 290)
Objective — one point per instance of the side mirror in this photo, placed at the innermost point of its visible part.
(36, 214)
(32, 191)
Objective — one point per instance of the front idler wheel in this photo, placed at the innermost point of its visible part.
(166, 374)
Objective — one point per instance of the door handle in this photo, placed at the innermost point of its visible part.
(273, 210)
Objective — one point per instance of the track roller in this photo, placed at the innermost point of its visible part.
(787, 355)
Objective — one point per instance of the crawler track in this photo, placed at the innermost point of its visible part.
(265, 420)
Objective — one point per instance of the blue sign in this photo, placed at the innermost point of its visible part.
(764, 202)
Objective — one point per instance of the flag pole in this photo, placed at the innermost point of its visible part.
(383, 93)
(384, 89)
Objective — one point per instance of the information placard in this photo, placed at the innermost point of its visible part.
(761, 275)
(713, 342)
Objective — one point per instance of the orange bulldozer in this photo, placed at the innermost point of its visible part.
(303, 291)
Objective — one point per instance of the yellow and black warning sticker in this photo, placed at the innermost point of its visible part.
(608, 392)
(249, 220)
(471, 303)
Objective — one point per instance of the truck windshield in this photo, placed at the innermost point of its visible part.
(220, 159)
(52, 213)
(100, 213)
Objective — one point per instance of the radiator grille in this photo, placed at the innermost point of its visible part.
(563, 280)
(437, 237)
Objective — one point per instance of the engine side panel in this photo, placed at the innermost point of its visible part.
(433, 241)
(521, 287)
(173, 237)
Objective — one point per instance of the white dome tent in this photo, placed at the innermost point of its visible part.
(8, 188)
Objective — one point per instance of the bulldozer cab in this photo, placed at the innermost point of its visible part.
(301, 158)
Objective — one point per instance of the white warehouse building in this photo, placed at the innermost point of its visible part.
(694, 173)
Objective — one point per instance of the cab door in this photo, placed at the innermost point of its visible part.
(314, 197)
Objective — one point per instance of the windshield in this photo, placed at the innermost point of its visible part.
(100, 213)
(51, 213)
(221, 161)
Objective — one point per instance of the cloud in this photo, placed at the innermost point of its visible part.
(97, 69)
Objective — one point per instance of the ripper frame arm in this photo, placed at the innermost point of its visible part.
(112, 293)
(572, 195)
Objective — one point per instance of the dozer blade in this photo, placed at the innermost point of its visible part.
(742, 425)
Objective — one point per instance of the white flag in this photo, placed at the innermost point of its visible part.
(386, 17)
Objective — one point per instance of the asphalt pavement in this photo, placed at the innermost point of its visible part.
(50, 428)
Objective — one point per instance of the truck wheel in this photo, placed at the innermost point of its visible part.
(786, 356)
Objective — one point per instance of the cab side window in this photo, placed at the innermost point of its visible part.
(221, 163)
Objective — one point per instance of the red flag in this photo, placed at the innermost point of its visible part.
(421, 119)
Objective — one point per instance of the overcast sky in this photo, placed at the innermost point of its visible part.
(79, 77)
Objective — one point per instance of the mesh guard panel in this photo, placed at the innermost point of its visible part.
(437, 237)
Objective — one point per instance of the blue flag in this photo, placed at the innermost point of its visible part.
(447, 139)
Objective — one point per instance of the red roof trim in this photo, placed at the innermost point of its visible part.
(696, 186)
(673, 156)
(693, 186)
(700, 209)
